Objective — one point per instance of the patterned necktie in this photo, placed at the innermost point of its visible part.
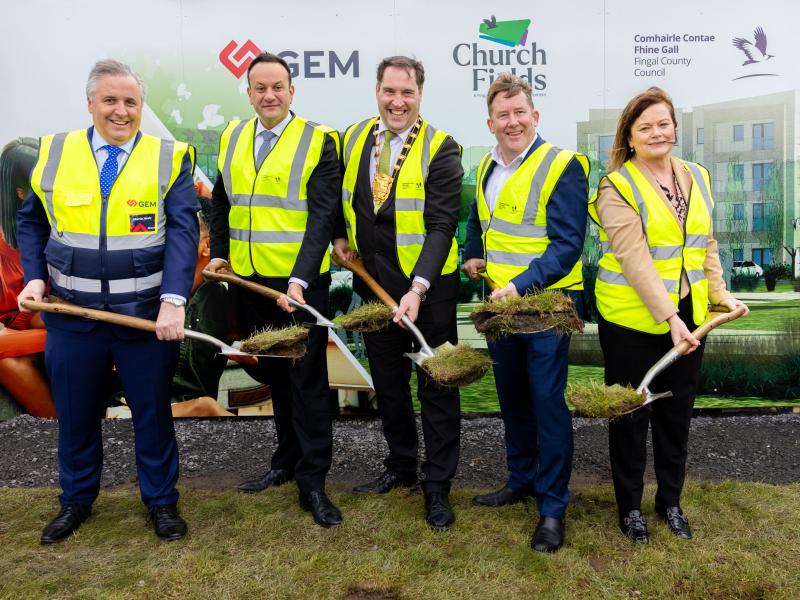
(385, 160)
(109, 171)
(267, 136)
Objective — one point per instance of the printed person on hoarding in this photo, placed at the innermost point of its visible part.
(526, 230)
(659, 269)
(111, 224)
(400, 199)
(273, 208)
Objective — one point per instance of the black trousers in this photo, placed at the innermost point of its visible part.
(628, 355)
(300, 392)
(440, 406)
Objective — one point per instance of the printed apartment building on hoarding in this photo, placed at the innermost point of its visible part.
(751, 147)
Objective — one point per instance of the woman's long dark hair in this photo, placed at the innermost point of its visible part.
(638, 104)
(16, 163)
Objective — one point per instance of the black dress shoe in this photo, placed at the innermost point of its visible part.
(677, 522)
(438, 512)
(501, 497)
(634, 526)
(66, 523)
(168, 524)
(272, 478)
(386, 482)
(323, 511)
(548, 535)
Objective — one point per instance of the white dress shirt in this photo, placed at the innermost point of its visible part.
(501, 172)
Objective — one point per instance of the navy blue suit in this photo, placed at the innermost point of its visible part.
(531, 369)
(80, 353)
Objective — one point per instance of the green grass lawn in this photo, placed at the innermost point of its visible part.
(770, 316)
(747, 540)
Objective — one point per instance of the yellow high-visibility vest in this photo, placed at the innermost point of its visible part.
(86, 226)
(515, 232)
(269, 206)
(409, 192)
(672, 249)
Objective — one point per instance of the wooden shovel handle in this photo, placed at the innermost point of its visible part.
(717, 316)
(90, 313)
(248, 285)
(357, 267)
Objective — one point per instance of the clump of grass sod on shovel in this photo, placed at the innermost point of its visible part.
(370, 316)
(548, 309)
(288, 342)
(457, 366)
(593, 399)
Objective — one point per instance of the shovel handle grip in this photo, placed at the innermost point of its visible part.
(718, 316)
(248, 285)
(493, 285)
(357, 267)
(90, 313)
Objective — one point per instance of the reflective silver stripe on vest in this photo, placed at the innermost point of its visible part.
(78, 284)
(409, 204)
(426, 150)
(695, 275)
(408, 239)
(517, 259)
(135, 284)
(665, 252)
(346, 195)
(611, 277)
(484, 225)
(701, 183)
(696, 240)
(76, 240)
(227, 178)
(637, 197)
(49, 176)
(615, 278)
(299, 159)
(527, 228)
(353, 137)
(267, 237)
(266, 201)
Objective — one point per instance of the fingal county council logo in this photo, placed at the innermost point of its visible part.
(508, 33)
(755, 53)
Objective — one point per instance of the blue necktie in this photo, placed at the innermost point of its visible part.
(109, 171)
(266, 145)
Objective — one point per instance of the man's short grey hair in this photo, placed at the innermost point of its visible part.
(109, 66)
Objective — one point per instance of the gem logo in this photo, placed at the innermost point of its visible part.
(508, 33)
(237, 58)
(520, 56)
(132, 202)
(754, 53)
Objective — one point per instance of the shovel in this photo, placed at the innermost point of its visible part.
(63, 308)
(269, 293)
(425, 351)
(717, 316)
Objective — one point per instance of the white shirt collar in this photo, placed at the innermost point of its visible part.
(278, 129)
(98, 142)
(402, 135)
(498, 157)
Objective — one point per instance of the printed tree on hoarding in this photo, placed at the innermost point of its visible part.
(773, 235)
(735, 231)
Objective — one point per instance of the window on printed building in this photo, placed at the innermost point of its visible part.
(761, 175)
(763, 136)
(604, 145)
(738, 211)
(738, 133)
(758, 216)
(762, 256)
(701, 135)
(737, 172)
(738, 254)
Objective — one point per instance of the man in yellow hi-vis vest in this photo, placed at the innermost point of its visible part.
(111, 223)
(526, 230)
(273, 209)
(400, 200)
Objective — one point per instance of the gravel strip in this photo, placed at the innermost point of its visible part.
(219, 453)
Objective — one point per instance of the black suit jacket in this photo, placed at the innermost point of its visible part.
(377, 236)
(323, 191)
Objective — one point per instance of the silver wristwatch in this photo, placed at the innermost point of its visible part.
(174, 301)
(418, 292)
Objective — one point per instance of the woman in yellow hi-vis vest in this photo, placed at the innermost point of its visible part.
(659, 269)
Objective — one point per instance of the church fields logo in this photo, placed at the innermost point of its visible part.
(486, 61)
(755, 54)
(311, 64)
